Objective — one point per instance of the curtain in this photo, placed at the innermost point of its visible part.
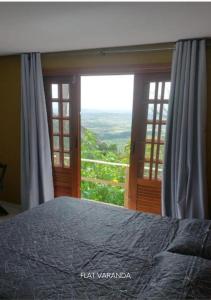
(36, 168)
(184, 180)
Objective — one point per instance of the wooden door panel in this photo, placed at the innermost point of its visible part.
(148, 196)
(62, 179)
(63, 106)
(151, 95)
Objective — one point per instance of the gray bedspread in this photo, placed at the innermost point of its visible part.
(77, 249)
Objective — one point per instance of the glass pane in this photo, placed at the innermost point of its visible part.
(149, 132)
(146, 170)
(55, 109)
(152, 90)
(153, 171)
(66, 126)
(55, 126)
(156, 132)
(167, 90)
(161, 152)
(154, 151)
(66, 160)
(150, 112)
(66, 111)
(56, 142)
(65, 91)
(56, 159)
(165, 112)
(158, 112)
(160, 171)
(163, 132)
(147, 151)
(66, 143)
(159, 90)
(54, 91)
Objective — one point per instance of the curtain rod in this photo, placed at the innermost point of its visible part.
(104, 51)
(126, 49)
(108, 51)
(123, 50)
(208, 39)
(148, 49)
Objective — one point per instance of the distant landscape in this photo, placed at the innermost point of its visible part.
(110, 127)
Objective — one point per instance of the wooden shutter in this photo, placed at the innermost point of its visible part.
(63, 106)
(151, 95)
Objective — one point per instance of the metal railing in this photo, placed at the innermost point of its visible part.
(110, 182)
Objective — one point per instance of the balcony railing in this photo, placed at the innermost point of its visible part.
(110, 182)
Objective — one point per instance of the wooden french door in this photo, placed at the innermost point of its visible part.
(63, 107)
(150, 107)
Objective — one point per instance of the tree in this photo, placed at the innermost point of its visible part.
(93, 148)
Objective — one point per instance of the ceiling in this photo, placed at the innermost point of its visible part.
(51, 27)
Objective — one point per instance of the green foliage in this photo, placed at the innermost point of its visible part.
(93, 148)
(103, 193)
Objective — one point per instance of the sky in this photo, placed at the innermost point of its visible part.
(107, 93)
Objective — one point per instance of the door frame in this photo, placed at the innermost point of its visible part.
(109, 70)
(131, 69)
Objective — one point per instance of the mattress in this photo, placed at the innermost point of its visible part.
(77, 249)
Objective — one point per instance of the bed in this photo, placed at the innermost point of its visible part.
(77, 249)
